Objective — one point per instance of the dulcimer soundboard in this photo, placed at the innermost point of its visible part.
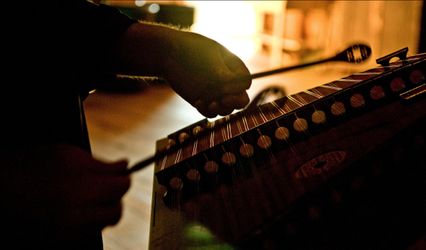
(338, 166)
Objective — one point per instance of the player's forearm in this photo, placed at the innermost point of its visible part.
(145, 48)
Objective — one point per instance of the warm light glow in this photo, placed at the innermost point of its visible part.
(231, 23)
(154, 8)
(140, 3)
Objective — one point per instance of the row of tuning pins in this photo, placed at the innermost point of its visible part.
(357, 100)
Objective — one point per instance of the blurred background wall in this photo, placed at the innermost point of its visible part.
(288, 32)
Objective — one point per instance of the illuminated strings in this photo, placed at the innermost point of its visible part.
(242, 170)
(241, 180)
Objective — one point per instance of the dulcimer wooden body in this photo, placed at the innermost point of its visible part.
(339, 166)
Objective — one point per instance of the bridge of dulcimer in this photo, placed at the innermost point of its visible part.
(337, 166)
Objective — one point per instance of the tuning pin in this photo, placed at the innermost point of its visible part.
(264, 141)
(229, 158)
(300, 125)
(336, 196)
(176, 183)
(246, 150)
(211, 167)
(377, 93)
(282, 133)
(170, 143)
(397, 84)
(211, 124)
(196, 130)
(338, 108)
(417, 76)
(318, 117)
(357, 100)
(162, 190)
(314, 212)
(183, 137)
(193, 175)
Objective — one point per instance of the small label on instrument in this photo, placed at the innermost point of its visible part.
(321, 164)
